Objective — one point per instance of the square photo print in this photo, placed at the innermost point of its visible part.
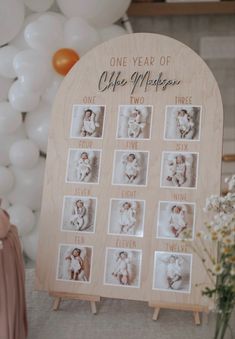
(83, 166)
(175, 220)
(130, 168)
(74, 263)
(79, 214)
(87, 121)
(126, 217)
(179, 170)
(134, 122)
(122, 267)
(172, 272)
(183, 122)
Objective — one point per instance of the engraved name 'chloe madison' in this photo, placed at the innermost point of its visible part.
(112, 80)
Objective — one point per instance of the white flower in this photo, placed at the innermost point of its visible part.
(217, 269)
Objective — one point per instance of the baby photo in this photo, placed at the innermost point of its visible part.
(126, 217)
(175, 220)
(79, 214)
(83, 166)
(182, 122)
(134, 122)
(179, 169)
(122, 267)
(130, 168)
(74, 263)
(87, 121)
(172, 272)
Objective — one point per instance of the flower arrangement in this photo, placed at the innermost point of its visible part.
(220, 233)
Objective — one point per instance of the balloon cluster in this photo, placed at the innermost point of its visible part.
(37, 51)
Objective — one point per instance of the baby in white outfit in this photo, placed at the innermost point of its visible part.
(127, 218)
(83, 166)
(134, 124)
(78, 212)
(177, 170)
(131, 169)
(174, 272)
(177, 220)
(121, 271)
(185, 123)
(89, 124)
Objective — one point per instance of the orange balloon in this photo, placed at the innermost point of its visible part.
(64, 59)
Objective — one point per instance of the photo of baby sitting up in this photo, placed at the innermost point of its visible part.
(87, 121)
(74, 263)
(126, 217)
(79, 214)
(172, 271)
(122, 267)
(83, 166)
(134, 122)
(175, 220)
(182, 122)
(130, 168)
(179, 169)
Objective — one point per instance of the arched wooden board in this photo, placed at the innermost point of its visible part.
(153, 184)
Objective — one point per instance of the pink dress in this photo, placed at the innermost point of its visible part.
(13, 321)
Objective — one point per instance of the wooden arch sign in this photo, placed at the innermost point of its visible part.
(134, 149)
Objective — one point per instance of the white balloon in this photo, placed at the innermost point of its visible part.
(5, 84)
(5, 144)
(22, 217)
(30, 243)
(111, 32)
(33, 69)
(11, 19)
(28, 186)
(79, 35)
(21, 99)
(38, 6)
(45, 34)
(10, 119)
(19, 40)
(50, 92)
(4, 203)
(6, 180)
(37, 125)
(99, 13)
(24, 154)
(7, 54)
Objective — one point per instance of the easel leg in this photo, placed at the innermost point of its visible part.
(56, 303)
(197, 318)
(93, 307)
(156, 313)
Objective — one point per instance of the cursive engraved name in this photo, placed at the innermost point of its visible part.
(112, 80)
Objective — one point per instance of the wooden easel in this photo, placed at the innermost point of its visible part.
(196, 309)
(58, 296)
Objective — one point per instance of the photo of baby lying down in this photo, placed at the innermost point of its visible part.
(172, 271)
(182, 122)
(78, 214)
(175, 220)
(126, 217)
(87, 121)
(74, 263)
(122, 267)
(134, 122)
(83, 166)
(179, 169)
(130, 168)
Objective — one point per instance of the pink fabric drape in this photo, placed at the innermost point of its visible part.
(13, 321)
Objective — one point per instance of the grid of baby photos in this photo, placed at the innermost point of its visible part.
(126, 217)
(176, 219)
